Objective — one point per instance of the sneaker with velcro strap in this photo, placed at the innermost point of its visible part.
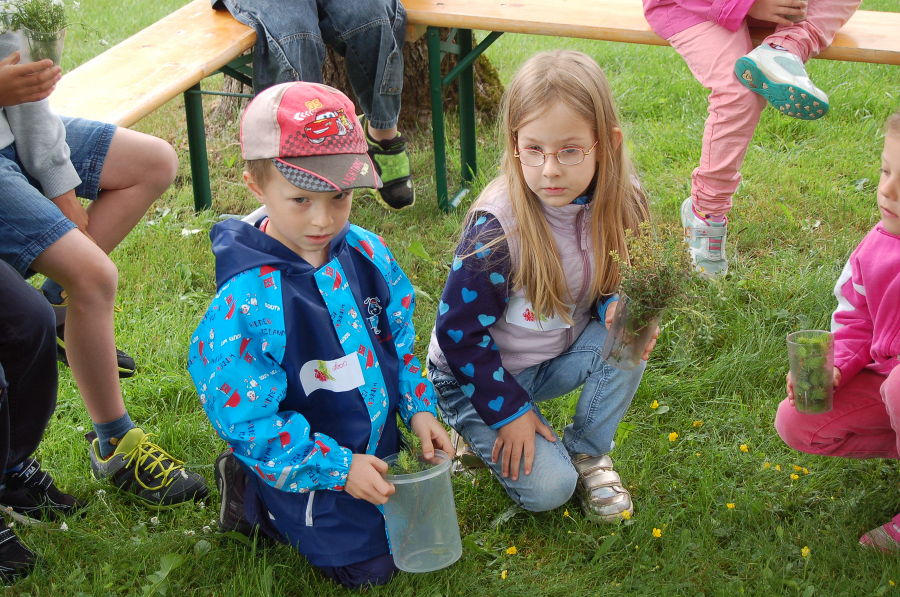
(780, 77)
(392, 165)
(706, 242)
(141, 468)
(30, 495)
(16, 560)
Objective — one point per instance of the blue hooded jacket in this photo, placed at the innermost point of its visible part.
(299, 368)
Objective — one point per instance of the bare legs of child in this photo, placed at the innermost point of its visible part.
(864, 423)
(137, 169)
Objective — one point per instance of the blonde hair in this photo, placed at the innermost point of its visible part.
(578, 82)
(260, 170)
(892, 125)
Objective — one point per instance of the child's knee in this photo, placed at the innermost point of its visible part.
(96, 282)
(550, 493)
(792, 427)
(890, 390)
(161, 162)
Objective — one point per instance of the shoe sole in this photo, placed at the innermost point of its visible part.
(221, 463)
(790, 100)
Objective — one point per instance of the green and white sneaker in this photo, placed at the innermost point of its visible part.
(392, 164)
(780, 77)
(140, 467)
(706, 242)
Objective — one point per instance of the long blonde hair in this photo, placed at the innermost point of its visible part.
(578, 82)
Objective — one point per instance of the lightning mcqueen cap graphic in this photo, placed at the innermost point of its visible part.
(311, 133)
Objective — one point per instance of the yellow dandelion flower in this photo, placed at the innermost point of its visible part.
(805, 551)
(655, 404)
(698, 453)
(626, 514)
(777, 467)
(673, 436)
(730, 505)
(767, 464)
(697, 423)
(566, 513)
(424, 372)
(744, 448)
(797, 468)
(805, 471)
(657, 532)
(892, 583)
(511, 550)
(503, 574)
(794, 476)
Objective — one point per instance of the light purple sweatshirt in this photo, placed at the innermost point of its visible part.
(668, 17)
(866, 323)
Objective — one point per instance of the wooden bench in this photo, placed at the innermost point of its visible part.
(173, 56)
(168, 58)
(869, 36)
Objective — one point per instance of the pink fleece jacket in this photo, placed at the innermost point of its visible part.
(668, 17)
(866, 323)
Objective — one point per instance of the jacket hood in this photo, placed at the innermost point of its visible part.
(239, 246)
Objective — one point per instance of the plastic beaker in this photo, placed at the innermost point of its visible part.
(629, 334)
(811, 357)
(421, 518)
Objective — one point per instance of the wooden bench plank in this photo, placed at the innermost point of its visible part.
(869, 36)
(153, 66)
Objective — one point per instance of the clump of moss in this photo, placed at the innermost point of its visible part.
(409, 460)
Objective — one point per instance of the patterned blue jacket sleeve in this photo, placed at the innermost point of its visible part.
(416, 391)
(474, 297)
(235, 361)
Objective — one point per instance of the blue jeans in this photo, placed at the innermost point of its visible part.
(30, 222)
(290, 46)
(604, 398)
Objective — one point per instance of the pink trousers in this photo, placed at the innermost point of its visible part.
(710, 51)
(864, 423)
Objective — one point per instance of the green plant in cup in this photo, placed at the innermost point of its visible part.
(811, 359)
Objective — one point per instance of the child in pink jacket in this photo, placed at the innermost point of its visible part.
(865, 419)
(713, 38)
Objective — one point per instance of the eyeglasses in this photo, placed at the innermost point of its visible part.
(567, 156)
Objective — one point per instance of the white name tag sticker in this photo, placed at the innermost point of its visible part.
(339, 375)
(520, 312)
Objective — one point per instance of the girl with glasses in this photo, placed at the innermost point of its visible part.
(524, 312)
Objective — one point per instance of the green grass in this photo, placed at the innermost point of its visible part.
(807, 198)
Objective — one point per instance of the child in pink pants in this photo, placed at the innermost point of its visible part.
(865, 420)
(713, 38)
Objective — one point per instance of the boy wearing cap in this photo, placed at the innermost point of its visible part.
(305, 356)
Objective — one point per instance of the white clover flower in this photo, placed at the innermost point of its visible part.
(207, 529)
(101, 492)
(64, 527)
(190, 533)
(154, 521)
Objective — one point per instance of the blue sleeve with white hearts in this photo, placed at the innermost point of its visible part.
(475, 297)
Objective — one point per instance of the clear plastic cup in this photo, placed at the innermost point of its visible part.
(811, 357)
(627, 338)
(421, 518)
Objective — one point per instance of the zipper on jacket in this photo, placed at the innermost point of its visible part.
(585, 266)
(309, 508)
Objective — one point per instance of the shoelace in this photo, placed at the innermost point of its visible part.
(148, 450)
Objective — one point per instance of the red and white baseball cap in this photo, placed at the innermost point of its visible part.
(311, 133)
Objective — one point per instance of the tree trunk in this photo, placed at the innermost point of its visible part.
(416, 99)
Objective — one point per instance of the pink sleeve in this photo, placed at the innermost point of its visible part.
(851, 322)
(729, 13)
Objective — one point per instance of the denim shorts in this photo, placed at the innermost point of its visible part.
(30, 222)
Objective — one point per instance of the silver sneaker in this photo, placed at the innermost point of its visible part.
(600, 488)
(706, 242)
(780, 77)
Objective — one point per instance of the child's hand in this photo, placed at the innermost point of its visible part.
(835, 378)
(31, 82)
(516, 439)
(611, 312)
(72, 208)
(782, 12)
(432, 435)
(366, 480)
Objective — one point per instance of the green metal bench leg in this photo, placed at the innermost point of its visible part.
(433, 38)
(196, 131)
(467, 151)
